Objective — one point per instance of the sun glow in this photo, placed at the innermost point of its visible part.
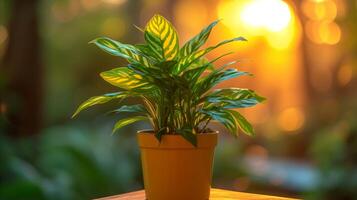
(273, 15)
(272, 19)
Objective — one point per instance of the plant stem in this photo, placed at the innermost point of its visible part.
(204, 127)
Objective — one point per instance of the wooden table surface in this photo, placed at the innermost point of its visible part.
(216, 194)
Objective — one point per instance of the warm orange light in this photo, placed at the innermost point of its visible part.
(89, 4)
(187, 20)
(257, 150)
(323, 32)
(330, 33)
(321, 28)
(324, 81)
(274, 32)
(273, 15)
(291, 119)
(272, 19)
(322, 10)
(312, 31)
(344, 75)
(115, 2)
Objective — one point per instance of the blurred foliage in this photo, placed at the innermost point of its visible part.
(334, 153)
(77, 161)
(76, 25)
(69, 162)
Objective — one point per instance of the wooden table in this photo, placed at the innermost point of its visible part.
(216, 194)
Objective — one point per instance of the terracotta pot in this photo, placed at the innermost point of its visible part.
(174, 169)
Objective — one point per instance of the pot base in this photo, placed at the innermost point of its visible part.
(176, 170)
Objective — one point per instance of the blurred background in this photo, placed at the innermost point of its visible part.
(303, 54)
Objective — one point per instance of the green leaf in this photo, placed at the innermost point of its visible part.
(154, 44)
(224, 117)
(145, 49)
(162, 37)
(127, 51)
(243, 123)
(125, 78)
(196, 42)
(152, 107)
(192, 74)
(99, 100)
(162, 131)
(138, 108)
(188, 135)
(214, 78)
(234, 98)
(191, 58)
(159, 75)
(123, 122)
(203, 62)
(166, 66)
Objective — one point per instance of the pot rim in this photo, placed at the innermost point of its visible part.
(150, 131)
(147, 140)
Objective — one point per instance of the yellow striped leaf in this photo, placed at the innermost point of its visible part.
(99, 100)
(124, 122)
(124, 78)
(196, 42)
(191, 58)
(162, 37)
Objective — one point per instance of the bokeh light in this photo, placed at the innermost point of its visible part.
(320, 27)
(291, 119)
(114, 2)
(323, 32)
(344, 74)
(320, 10)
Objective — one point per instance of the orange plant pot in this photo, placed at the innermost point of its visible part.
(174, 169)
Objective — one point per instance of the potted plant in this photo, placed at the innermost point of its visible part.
(175, 85)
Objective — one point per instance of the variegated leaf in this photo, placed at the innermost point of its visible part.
(214, 78)
(99, 100)
(124, 78)
(224, 117)
(196, 42)
(127, 51)
(138, 108)
(194, 72)
(234, 98)
(123, 122)
(162, 37)
(191, 58)
(242, 122)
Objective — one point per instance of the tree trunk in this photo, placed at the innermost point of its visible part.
(22, 70)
